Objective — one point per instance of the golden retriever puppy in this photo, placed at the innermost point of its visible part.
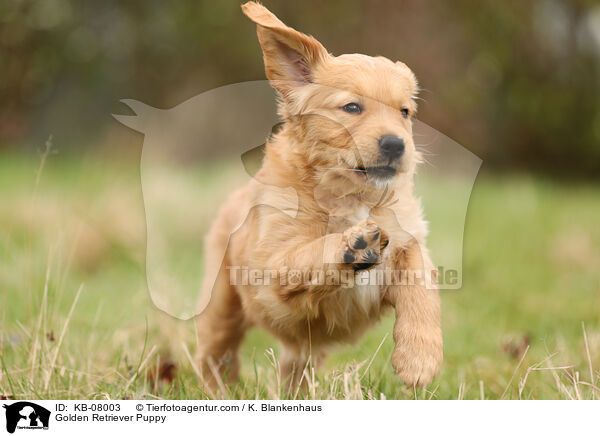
(353, 242)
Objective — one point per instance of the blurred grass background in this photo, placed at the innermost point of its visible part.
(515, 82)
(530, 284)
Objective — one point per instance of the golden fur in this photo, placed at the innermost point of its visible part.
(319, 153)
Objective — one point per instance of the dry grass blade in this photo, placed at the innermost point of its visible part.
(36, 343)
(50, 369)
(190, 359)
(559, 385)
(514, 373)
(589, 358)
(217, 376)
(374, 356)
(142, 365)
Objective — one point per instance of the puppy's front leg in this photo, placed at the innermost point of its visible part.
(418, 351)
(358, 247)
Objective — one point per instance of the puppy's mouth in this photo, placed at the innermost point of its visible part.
(384, 172)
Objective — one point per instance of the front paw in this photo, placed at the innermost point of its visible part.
(418, 356)
(363, 245)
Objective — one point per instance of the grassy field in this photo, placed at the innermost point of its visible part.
(76, 320)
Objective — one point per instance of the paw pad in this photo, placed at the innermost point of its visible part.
(360, 243)
(368, 259)
(364, 243)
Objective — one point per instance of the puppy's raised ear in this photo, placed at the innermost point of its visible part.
(290, 56)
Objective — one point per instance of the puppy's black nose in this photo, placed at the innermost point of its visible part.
(391, 146)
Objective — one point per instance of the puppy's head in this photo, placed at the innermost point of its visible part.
(352, 113)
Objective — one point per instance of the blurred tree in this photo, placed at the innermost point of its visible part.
(516, 82)
(534, 82)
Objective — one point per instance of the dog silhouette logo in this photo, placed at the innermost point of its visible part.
(238, 117)
(26, 415)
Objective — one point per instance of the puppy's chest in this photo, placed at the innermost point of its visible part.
(343, 218)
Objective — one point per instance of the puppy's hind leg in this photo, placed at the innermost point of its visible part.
(221, 327)
(296, 369)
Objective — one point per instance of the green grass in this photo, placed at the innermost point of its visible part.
(76, 319)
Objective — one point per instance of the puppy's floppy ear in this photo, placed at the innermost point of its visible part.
(290, 56)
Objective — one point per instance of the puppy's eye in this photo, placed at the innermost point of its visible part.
(352, 108)
(404, 112)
